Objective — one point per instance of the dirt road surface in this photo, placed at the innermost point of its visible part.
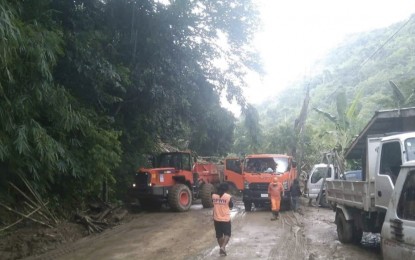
(190, 235)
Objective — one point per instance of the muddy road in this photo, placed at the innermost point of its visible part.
(190, 235)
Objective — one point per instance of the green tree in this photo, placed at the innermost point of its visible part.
(46, 135)
(94, 86)
(343, 122)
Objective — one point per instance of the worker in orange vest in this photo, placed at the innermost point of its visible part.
(222, 204)
(275, 190)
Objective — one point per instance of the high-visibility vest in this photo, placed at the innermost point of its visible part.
(275, 190)
(221, 211)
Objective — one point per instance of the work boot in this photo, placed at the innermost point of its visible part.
(274, 216)
(277, 215)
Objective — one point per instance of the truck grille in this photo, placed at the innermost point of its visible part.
(396, 229)
(259, 186)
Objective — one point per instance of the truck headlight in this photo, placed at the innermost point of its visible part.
(133, 185)
(246, 185)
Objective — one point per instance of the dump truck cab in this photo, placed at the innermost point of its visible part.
(254, 173)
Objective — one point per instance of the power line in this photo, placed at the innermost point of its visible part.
(386, 42)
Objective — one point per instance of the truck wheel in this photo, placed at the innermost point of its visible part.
(344, 228)
(248, 205)
(180, 198)
(206, 195)
(357, 235)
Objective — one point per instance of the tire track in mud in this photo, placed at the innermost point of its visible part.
(255, 236)
(293, 245)
(161, 235)
(85, 242)
(309, 235)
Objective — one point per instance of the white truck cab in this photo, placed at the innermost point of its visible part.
(398, 230)
(316, 178)
(394, 150)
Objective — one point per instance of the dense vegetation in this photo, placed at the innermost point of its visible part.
(88, 87)
(367, 72)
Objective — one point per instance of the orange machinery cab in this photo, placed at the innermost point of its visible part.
(256, 172)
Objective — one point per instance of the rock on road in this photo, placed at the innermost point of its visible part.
(190, 236)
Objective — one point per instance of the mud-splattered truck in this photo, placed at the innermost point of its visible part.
(361, 206)
(176, 178)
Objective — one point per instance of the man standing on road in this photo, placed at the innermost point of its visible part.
(295, 195)
(275, 190)
(222, 204)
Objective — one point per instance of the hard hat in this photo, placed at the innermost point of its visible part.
(275, 179)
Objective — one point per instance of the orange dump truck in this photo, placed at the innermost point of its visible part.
(253, 174)
(177, 179)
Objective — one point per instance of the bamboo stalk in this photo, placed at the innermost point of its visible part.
(30, 200)
(19, 220)
(104, 214)
(25, 216)
(39, 200)
(40, 212)
(24, 194)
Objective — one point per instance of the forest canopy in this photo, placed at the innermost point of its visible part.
(89, 87)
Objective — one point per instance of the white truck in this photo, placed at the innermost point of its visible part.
(361, 206)
(398, 231)
(315, 184)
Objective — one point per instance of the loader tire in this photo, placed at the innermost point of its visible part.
(206, 195)
(344, 228)
(180, 198)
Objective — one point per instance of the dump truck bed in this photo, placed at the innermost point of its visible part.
(357, 194)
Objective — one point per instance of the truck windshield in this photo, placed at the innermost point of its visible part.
(267, 165)
(176, 160)
(410, 149)
(319, 173)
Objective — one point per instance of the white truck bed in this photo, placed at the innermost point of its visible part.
(357, 194)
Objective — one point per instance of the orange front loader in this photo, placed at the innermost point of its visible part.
(177, 179)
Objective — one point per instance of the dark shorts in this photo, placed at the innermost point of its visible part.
(222, 228)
